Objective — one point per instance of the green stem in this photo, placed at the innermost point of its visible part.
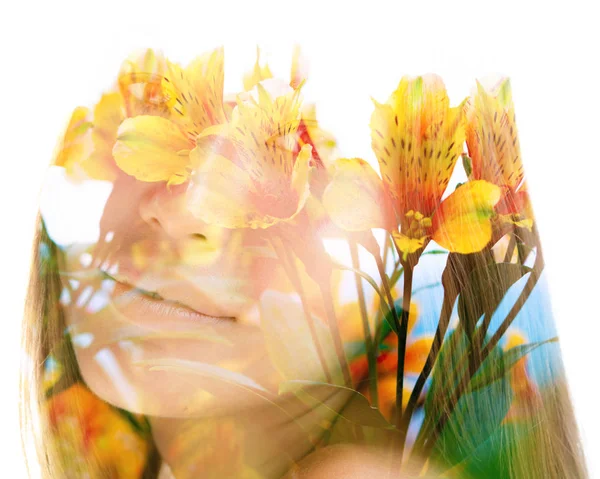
(436, 346)
(402, 335)
(386, 248)
(371, 358)
(387, 291)
(335, 333)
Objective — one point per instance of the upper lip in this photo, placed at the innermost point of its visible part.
(117, 278)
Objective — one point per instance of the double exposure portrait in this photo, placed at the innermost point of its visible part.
(216, 292)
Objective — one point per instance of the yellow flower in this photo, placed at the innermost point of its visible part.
(251, 172)
(417, 139)
(86, 147)
(183, 102)
(92, 434)
(493, 145)
(308, 131)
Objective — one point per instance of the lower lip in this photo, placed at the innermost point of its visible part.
(125, 296)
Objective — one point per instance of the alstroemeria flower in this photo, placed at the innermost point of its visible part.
(91, 434)
(417, 139)
(493, 146)
(309, 132)
(86, 147)
(156, 148)
(249, 172)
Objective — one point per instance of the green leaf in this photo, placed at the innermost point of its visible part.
(495, 457)
(388, 324)
(339, 400)
(491, 371)
(467, 165)
(476, 417)
(454, 348)
(477, 414)
(485, 290)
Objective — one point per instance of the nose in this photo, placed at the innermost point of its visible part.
(165, 210)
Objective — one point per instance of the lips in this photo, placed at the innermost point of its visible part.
(151, 304)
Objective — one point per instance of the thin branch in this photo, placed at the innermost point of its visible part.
(371, 358)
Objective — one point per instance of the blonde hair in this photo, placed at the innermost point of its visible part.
(44, 335)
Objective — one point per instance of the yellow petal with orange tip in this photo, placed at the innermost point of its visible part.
(195, 93)
(152, 149)
(417, 138)
(355, 199)
(492, 138)
(462, 223)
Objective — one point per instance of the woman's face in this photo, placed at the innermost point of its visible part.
(162, 307)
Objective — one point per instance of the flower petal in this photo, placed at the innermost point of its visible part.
(221, 194)
(462, 222)
(258, 73)
(74, 146)
(299, 70)
(300, 176)
(417, 138)
(355, 199)
(406, 244)
(195, 93)
(108, 115)
(491, 135)
(152, 149)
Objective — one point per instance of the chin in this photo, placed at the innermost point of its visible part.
(181, 377)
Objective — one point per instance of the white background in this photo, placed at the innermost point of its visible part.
(57, 55)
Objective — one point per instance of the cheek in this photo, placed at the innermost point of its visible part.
(168, 375)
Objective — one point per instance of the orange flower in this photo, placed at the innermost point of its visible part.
(417, 138)
(249, 172)
(91, 433)
(493, 146)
